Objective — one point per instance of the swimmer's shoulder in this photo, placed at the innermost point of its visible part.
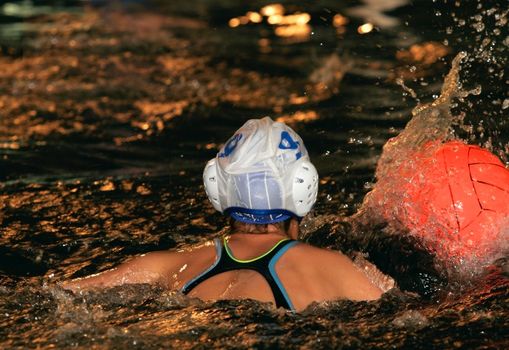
(326, 263)
(335, 269)
(319, 254)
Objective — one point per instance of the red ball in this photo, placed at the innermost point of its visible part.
(454, 198)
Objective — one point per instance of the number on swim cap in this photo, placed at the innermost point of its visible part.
(230, 145)
(288, 143)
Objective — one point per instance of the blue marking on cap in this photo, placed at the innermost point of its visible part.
(230, 145)
(287, 142)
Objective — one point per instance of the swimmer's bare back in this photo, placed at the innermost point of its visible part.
(307, 273)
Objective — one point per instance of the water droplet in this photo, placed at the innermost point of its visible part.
(478, 26)
(477, 91)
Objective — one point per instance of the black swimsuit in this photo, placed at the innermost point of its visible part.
(263, 264)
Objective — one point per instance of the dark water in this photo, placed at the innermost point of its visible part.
(108, 114)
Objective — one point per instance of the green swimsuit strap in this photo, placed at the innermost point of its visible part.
(230, 254)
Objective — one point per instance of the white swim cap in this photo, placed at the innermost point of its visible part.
(262, 174)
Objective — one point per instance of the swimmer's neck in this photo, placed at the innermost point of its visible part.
(269, 231)
(257, 235)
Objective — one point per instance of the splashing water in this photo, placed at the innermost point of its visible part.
(430, 122)
(408, 172)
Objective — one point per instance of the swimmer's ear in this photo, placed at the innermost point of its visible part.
(293, 229)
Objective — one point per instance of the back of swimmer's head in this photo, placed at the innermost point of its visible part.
(262, 174)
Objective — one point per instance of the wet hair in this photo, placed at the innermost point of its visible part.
(258, 228)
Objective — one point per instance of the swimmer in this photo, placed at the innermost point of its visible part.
(263, 179)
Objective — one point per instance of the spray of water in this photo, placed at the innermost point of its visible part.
(399, 176)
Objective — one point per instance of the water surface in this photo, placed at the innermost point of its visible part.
(108, 115)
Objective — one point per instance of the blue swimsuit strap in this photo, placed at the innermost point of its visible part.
(189, 285)
(265, 265)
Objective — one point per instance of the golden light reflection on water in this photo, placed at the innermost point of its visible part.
(365, 28)
(254, 17)
(164, 325)
(418, 60)
(339, 20)
(272, 10)
(107, 186)
(298, 117)
(264, 45)
(9, 145)
(425, 53)
(75, 91)
(295, 19)
(234, 22)
(287, 26)
(298, 100)
(301, 31)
